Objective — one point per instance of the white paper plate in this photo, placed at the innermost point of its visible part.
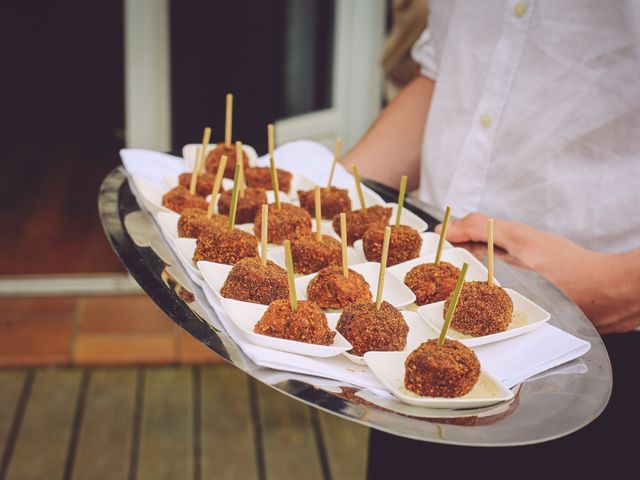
(246, 315)
(186, 247)
(429, 245)
(388, 367)
(214, 274)
(150, 194)
(277, 256)
(395, 292)
(455, 256)
(189, 153)
(418, 332)
(522, 307)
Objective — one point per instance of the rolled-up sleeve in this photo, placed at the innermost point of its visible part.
(423, 52)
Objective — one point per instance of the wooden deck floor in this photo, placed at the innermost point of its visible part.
(210, 422)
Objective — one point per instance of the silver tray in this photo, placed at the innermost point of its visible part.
(551, 405)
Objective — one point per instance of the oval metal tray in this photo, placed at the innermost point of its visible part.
(548, 406)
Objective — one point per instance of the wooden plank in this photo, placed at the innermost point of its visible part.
(228, 434)
(288, 438)
(346, 445)
(43, 440)
(11, 384)
(104, 441)
(166, 434)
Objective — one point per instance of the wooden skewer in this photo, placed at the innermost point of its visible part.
(227, 121)
(240, 161)
(263, 237)
(452, 305)
(383, 265)
(206, 137)
(318, 205)
(403, 190)
(292, 286)
(343, 237)
(490, 251)
(443, 235)
(216, 185)
(336, 155)
(194, 173)
(272, 164)
(363, 206)
(234, 198)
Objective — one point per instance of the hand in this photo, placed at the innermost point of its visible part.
(605, 286)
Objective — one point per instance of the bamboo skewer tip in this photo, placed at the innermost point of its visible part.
(383, 266)
(443, 235)
(452, 305)
(290, 276)
(343, 238)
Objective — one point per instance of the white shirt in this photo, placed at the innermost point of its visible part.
(535, 115)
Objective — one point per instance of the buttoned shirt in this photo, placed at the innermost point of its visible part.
(535, 116)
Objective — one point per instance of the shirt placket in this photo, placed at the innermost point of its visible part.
(469, 179)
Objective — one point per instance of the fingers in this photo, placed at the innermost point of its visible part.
(472, 228)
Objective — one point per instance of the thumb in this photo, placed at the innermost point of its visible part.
(471, 228)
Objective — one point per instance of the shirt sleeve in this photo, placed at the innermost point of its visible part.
(424, 54)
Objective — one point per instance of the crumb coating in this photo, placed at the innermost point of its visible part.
(225, 246)
(432, 283)
(288, 223)
(307, 324)
(447, 371)
(333, 201)
(481, 310)
(247, 207)
(260, 177)
(358, 222)
(204, 184)
(310, 255)
(372, 330)
(404, 244)
(178, 199)
(213, 159)
(193, 221)
(250, 281)
(331, 289)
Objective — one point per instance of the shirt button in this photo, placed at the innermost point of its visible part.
(521, 9)
(485, 120)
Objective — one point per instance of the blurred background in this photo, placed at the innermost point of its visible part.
(82, 80)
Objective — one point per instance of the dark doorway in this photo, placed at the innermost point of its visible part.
(61, 126)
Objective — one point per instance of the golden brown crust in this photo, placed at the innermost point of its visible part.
(204, 184)
(288, 223)
(432, 283)
(213, 159)
(193, 221)
(310, 255)
(358, 222)
(404, 244)
(250, 281)
(307, 324)
(224, 246)
(260, 177)
(331, 289)
(372, 330)
(178, 199)
(247, 207)
(481, 310)
(447, 371)
(333, 201)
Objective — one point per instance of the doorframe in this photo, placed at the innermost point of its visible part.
(357, 78)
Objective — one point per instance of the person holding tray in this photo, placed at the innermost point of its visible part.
(529, 112)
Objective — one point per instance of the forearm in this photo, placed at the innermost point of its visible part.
(391, 148)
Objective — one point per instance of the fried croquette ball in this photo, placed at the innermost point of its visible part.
(307, 323)
(331, 289)
(481, 310)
